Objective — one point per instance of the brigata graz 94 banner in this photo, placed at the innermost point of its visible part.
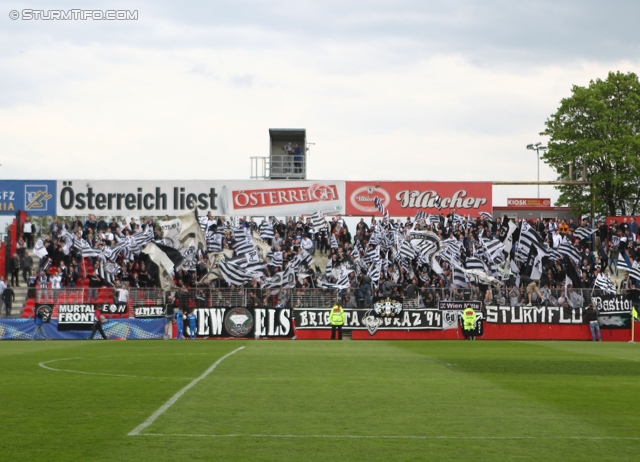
(221, 197)
(405, 198)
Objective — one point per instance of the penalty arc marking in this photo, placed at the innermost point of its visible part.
(44, 366)
(174, 398)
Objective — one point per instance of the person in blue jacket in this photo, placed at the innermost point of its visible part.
(179, 320)
(192, 318)
(39, 320)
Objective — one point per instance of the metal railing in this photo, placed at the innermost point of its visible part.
(287, 166)
(307, 298)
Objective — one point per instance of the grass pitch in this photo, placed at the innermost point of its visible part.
(320, 400)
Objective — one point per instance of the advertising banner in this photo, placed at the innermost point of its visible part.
(116, 329)
(36, 197)
(221, 197)
(528, 202)
(403, 199)
(240, 322)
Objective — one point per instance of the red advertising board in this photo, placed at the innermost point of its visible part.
(403, 199)
(622, 219)
(529, 202)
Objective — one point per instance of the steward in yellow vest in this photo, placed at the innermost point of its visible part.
(468, 323)
(336, 318)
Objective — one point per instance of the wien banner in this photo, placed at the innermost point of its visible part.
(221, 197)
(242, 322)
(405, 198)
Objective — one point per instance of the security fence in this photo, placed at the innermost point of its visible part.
(309, 298)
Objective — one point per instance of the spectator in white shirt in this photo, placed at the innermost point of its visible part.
(307, 244)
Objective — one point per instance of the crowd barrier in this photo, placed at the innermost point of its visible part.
(285, 313)
(298, 298)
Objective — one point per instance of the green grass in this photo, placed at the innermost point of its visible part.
(471, 400)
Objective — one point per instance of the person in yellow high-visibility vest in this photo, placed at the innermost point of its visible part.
(468, 323)
(336, 318)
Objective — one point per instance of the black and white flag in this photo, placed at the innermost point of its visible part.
(486, 216)
(570, 251)
(377, 202)
(276, 259)
(437, 201)
(583, 233)
(266, 230)
(604, 283)
(233, 274)
(242, 241)
(318, 220)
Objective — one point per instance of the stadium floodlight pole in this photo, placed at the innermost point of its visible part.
(537, 148)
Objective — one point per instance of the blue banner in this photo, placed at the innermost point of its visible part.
(36, 197)
(116, 329)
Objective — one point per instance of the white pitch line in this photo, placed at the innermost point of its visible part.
(399, 437)
(174, 398)
(42, 364)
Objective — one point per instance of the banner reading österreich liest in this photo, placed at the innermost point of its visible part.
(221, 197)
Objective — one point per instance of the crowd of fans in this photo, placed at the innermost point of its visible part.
(67, 268)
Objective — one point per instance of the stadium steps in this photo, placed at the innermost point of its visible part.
(19, 303)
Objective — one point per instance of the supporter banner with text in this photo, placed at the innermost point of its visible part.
(80, 316)
(405, 198)
(366, 319)
(614, 311)
(144, 311)
(242, 322)
(533, 315)
(221, 197)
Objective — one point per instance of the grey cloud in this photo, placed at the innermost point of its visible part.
(492, 32)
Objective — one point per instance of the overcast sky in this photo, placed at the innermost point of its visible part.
(388, 90)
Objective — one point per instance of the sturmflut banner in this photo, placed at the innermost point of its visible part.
(533, 315)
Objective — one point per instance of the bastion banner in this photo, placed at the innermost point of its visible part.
(221, 197)
(405, 198)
